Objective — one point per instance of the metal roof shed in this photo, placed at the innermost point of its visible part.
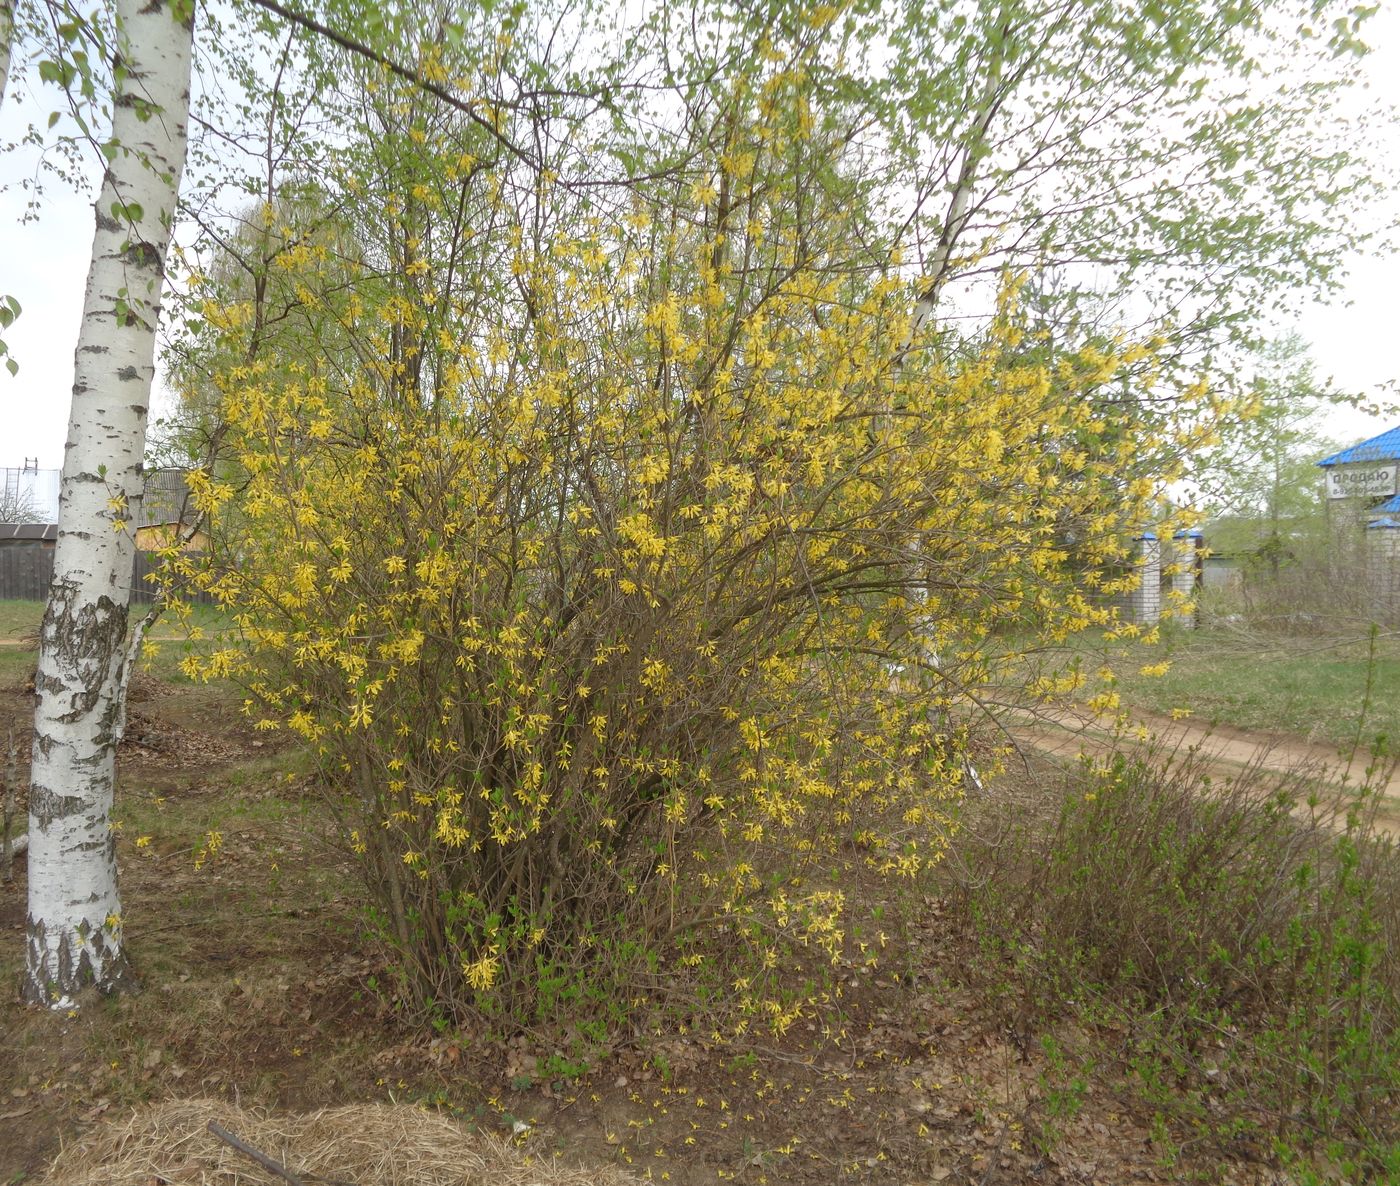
(45, 532)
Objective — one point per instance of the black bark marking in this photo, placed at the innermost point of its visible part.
(105, 222)
(82, 640)
(107, 724)
(50, 684)
(127, 374)
(47, 805)
(74, 973)
(142, 254)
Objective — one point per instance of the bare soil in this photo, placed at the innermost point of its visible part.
(258, 984)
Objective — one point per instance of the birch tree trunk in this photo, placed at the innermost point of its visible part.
(74, 925)
(7, 34)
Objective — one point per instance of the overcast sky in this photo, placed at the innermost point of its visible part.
(44, 266)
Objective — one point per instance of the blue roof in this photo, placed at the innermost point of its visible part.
(1383, 523)
(1391, 506)
(1385, 447)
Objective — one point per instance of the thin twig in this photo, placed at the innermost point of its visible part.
(9, 785)
(407, 73)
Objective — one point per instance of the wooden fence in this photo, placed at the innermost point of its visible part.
(26, 570)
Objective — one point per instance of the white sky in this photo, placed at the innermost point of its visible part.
(44, 266)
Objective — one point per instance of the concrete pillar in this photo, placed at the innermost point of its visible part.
(1383, 566)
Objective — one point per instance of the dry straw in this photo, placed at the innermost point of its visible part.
(364, 1144)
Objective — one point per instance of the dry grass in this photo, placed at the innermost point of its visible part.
(363, 1144)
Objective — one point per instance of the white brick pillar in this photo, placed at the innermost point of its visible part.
(1186, 565)
(1383, 566)
(1145, 600)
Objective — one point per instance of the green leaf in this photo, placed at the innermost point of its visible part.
(12, 366)
(58, 73)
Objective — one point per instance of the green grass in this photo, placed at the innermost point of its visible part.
(17, 617)
(1313, 688)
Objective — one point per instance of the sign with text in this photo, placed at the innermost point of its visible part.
(1361, 481)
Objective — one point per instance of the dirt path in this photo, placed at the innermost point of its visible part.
(1066, 733)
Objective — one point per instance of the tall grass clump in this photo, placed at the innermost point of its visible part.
(1240, 937)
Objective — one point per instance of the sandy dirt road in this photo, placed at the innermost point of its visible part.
(1066, 733)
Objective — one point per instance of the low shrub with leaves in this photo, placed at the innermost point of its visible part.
(1238, 935)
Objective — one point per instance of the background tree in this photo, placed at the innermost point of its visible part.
(18, 506)
(1182, 167)
(1262, 486)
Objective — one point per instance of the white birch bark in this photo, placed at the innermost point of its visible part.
(955, 221)
(7, 35)
(74, 925)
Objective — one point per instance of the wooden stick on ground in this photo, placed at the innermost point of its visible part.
(248, 1151)
(272, 1167)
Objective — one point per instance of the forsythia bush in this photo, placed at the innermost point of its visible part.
(625, 566)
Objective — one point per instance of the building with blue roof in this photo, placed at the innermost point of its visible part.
(1361, 476)
(1385, 447)
(1363, 504)
(1391, 506)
